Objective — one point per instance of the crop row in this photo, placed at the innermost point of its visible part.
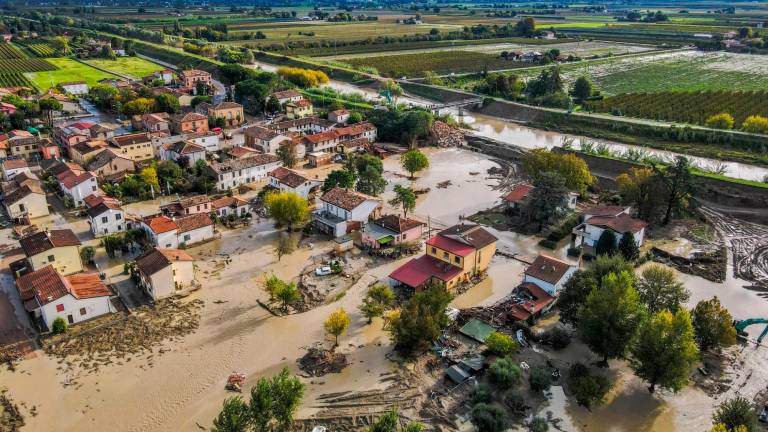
(25, 65)
(14, 80)
(42, 49)
(442, 62)
(685, 107)
(8, 51)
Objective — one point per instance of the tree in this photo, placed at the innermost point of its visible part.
(538, 424)
(421, 320)
(405, 198)
(604, 265)
(273, 105)
(574, 295)
(59, 326)
(149, 177)
(285, 246)
(489, 417)
(304, 78)
(355, 117)
(722, 428)
(48, 106)
(713, 325)
(389, 423)
(274, 402)
(287, 154)
(735, 412)
(582, 89)
(665, 350)
(394, 88)
(678, 182)
(628, 247)
(272, 285)
(414, 161)
(370, 170)
(287, 208)
(87, 253)
(571, 167)
(339, 178)
(606, 244)
(588, 389)
(233, 416)
(610, 317)
(639, 188)
(414, 125)
(500, 344)
(167, 102)
(548, 198)
(336, 324)
(288, 294)
(720, 121)
(378, 299)
(548, 82)
(60, 44)
(539, 379)
(659, 289)
(504, 373)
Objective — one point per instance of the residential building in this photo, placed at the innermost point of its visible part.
(109, 165)
(165, 272)
(263, 139)
(323, 141)
(24, 145)
(166, 75)
(207, 140)
(191, 77)
(231, 205)
(306, 125)
(454, 256)
(299, 109)
(101, 132)
(68, 136)
(287, 180)
(187, 206)
(194, 229)
(338, 116)
(77, 186)
(3, 145)
(59, 248)
(190, 122)
(614, 218)
(24, 198)
(240, 152)
(237, 172)
(357, 145)
(48, 149)
(518, 197)
(11, 167)
(360, 130)
(161, 231)
(549, 274)
(77, 88)
(185, 153)
(231, 112)
(390, 230)
(83, 152)
(136, 147)
(287, 96)
(107, 217)
(48, 295)
(343, 210)
(152, 122)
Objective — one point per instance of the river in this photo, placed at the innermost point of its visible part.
(523, 136)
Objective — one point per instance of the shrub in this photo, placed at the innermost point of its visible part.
(500, 344)
(539, 379)
(574, 252)
(588, 389)
(720, 121)
(59, 326)
(588, 257)
(483, 394)
(538, 424)
(735, 412)
(489, 417)
(549, 244)
(504, 373)
(755, 124)
(516, 403)
(557, 337)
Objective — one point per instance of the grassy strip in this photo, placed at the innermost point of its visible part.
(322, 100)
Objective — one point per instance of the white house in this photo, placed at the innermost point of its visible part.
(616, 219)
(166, 232)
(549, 274)
(186, 153)
(106, 217)
(287, 96)
(305, 125)
(237, 172)
(12, 167)
(78, 185)
(24, 197)
(231, 205)
(161, 231)
(74, 88)
(164, 272)
(339, 116)
(343, 210)
(209, 141)
(287, 180)
(79, 297)
(263, 139)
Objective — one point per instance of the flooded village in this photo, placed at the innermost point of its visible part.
(439, 267)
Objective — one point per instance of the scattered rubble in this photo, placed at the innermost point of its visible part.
(444, 184)
(444, 135)
(748, 244)
(690, 246)
(11, 419)
(319, 361)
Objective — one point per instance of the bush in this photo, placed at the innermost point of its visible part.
(588, 389)
(489, 417)
(720, 121)
(549, 244)
(738, 411)
(500, 344)
(504, 373)
(755, 124)
(538, 424)
(59, 326)
(588, 257)
(574, 252)
(539, 379)
(483, 394)
(516, 403)
(557, 337)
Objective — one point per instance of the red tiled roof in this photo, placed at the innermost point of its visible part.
(286, 94)
(344, 198)
(450, 245)
(301, 103)
(87, 285)
(547, 269)
(621, 224)
(193, 222)
(71, 180)
(605, 210)
(474, 235)
(419, 271)
(229, 201)
(240, 151)
(288, 177)
(160, 224)
(323, 136)
(396, 223)
(82, 125)
(519, 193)
(14, 164)
(42, 241)
(540, 300)
(47, 284)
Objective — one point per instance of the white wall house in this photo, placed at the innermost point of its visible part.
(287, 180)
(106, 218)
(263, 139)
(27, 200)
(614, 218)
(12, 167)
(161, 231)
(230, 205)
(549, 274)
(209, 141)
(79, 186)
(340, 208)
(165, 232)
(165, 272)
(237, 172)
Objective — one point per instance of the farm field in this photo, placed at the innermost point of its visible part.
(8, 51)
(341, 31)
(68, 70)
(445, 62)
(133, 66)
(13, 80)
(40, 48)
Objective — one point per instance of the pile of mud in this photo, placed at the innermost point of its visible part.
(11, 419)
(319, 361)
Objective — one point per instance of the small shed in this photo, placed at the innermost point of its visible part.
(343, 244)
(472, 365)
(456, 374)
(317, 159)
(477, 330)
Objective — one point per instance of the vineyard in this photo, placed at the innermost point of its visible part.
(13, 80)
(685, 107)
(8, 51)
(443, 62)
(41, 49)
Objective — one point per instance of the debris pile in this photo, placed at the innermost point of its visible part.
(11, 419)
(119, 336)
(444, 184)
(444, 135)
(319, 361)
(748, 243)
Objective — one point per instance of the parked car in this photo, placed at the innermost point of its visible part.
(323, 271)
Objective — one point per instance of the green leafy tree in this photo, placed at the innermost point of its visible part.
(574, 295)
(606, 243)
(610, 317)
(149, 178)
(272, 285)
(405, 198)
(539, 379)
(288, 294)
(414, 125)
(538, 424)
(628, 247)
(336, 324)
(414, 161)
(571, 167)
(639, 187)
(378, 299)
(339, 178)
(370, 173)
(355, 117)
(548, 199)
(737, 412)
(274, 402)
(665, 350)
(713, 325)
(48, 106)
(604, 265)
(287, 154)
(548, 82)
(234, 416)
(659, 289)
(87, 253)
(582, 89)
(421, 320)
(678, 182)
(504, 373)
(167, 102)
(500, 344)
(588, 389)
(273, 105)
(489, 417)
(390, 422)
(59, 326)
(287, 208)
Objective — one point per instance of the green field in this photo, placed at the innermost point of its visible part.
(134, 66)
(69, 70)
(442, 62)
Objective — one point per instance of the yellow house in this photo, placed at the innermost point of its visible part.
(452, 257)
(299, 109)
(59, 248)
(136, 147)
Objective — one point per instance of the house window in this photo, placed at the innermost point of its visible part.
(187, 237)
(445, 255)
(118, 216)
(82, 311)
(93, 188)
(434, 250)
(104, 219)
(51, 258)
(457, 260)
(70, 319)
(59, 308)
